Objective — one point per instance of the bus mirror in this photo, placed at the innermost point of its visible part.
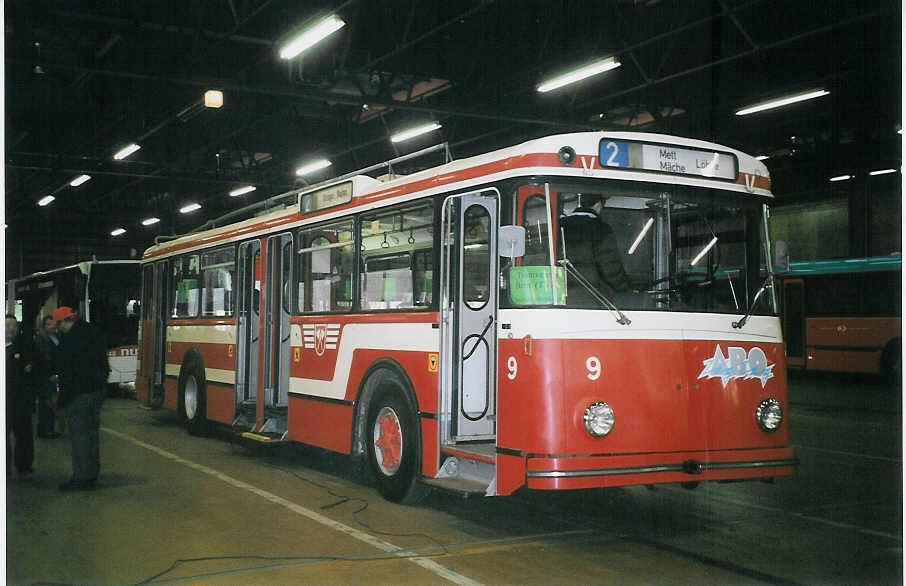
(781, 256)
(511, 241)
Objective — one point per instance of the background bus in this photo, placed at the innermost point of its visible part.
(844, 315)
(106, 293)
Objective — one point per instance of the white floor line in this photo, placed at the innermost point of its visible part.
(376, 542)
(813, 518)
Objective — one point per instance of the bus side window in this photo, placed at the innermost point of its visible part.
(147, 291)
(185, 286)
(324, 268)
(397, 258)
(219, 270)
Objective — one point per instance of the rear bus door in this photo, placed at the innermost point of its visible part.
(248, 326)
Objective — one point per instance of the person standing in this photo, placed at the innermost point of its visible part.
(82, 369)
(46, 343)
(20, 401)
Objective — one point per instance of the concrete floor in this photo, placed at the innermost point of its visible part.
(297, 516)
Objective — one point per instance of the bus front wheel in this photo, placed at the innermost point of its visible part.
(392, 440)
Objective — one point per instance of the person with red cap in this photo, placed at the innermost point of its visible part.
(82, 369)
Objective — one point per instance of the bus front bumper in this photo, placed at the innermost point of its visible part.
(576, 472)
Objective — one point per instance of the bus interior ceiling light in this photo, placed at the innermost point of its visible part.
(125, 152)
(189, 208)
(704, 251)
(118, 231)
(413, 132)
(313, 166)
(80, 180)
(213, 99)
(312, 36)
(840, 178)
(638, 239)
(882, 172)
(150, 221)
(243, 190)
(782, 102)
(583, 72)
(46, 200)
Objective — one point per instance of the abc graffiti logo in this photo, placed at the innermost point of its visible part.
(737, 364)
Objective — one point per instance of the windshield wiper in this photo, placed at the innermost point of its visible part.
(599, 297)
(764, 285)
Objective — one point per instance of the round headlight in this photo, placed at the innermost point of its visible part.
(769, 415)
(598, 419)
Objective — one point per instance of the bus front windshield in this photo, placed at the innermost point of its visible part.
(639, 246)
(113, 294)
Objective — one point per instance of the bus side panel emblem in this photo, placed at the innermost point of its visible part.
(321, 337)
(737, 364)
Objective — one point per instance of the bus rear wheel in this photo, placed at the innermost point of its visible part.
(392, 440)
(192, 396)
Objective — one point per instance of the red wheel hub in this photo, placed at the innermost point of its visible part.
(390, 441)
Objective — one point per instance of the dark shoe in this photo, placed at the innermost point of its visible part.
(76, 485)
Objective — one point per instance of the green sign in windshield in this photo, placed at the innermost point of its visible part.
(531, 285)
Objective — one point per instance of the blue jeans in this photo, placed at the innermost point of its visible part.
(84, 418)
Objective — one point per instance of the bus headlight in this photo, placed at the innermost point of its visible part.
(769, 415)
(598, 419)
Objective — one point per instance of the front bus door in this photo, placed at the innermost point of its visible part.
(161, 309)
(470, 313)
(249, 322)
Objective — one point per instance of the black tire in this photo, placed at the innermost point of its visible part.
(392, 437)
(192, 404)
(892, 364)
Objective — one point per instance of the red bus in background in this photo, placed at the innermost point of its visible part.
(578, 311)
(844, 315)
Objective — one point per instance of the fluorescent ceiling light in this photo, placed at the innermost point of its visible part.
(782, 102)
(312, 36)
(46, 200)
(149, 221)
(638, 239)
(125, 152)
(213, 99)
(762, 157)
(704, 251)
(189, 208)
(413, 132)
(243, 190)
(878, 172)
(80, 180)
(581, 73)
(313, 166)
(841, 178)
(118, 231)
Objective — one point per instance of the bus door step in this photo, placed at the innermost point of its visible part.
(264, 438)
(462, 487)
(274, 426)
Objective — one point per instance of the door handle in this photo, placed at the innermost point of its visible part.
(480, 337)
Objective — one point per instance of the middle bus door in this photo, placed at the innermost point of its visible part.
(277, 331)
(470, 258)
(248, 309)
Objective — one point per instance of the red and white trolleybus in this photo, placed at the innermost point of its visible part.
(581, 310)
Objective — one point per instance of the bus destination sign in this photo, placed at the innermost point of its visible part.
(667, 159)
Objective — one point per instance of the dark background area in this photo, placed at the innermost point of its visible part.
(85, 78)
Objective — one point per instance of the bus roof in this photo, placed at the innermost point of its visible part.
(81, 266)
(841, 266)
(534, 157)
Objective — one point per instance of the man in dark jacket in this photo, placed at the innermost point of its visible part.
(46, 343)
(20, 400)
(81, 364)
